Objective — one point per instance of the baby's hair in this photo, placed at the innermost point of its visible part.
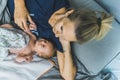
(89, 26)
(54, 46)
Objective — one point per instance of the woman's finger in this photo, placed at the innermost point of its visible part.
(25, 25)
(30, 20)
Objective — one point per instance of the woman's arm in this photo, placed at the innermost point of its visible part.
(21, 15)
(67, 68)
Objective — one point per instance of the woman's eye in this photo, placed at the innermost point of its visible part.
(61, 28)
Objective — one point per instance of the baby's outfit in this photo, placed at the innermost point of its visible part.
(11, 38)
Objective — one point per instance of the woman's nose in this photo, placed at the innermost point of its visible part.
(57, 32)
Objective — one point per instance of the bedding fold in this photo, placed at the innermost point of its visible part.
(11, 70)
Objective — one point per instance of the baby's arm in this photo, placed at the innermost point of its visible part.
(27, 54)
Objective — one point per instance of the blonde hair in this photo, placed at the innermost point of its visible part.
(105, 27)
(89, 26)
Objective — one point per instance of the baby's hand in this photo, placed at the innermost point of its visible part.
(26, 59)
(20, 59)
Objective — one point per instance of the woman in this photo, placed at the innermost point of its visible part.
(68, 25)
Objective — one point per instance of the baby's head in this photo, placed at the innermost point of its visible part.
(44, 48)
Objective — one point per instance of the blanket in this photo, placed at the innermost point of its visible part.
(11, 70)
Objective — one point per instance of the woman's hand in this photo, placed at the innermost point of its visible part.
(65, 44)
(21, 15)
(56, 16)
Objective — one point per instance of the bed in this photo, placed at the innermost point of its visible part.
(105, 67)
(96, 60)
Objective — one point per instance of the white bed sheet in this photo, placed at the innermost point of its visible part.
(10, 70)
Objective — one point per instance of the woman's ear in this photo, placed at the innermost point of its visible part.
(69, 12)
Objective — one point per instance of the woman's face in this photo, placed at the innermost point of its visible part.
(65, 28)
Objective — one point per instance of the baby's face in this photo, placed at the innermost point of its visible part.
(44, 48)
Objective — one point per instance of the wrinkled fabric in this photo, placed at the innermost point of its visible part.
(4, 13)
(10, 70)
(82, 73)
(11, 38)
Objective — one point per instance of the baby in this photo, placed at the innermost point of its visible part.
(23, 44)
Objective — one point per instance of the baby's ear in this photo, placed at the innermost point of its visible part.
(69, 12)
